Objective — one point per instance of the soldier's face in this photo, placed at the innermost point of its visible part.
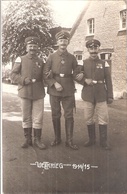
(62, 44)
(93, 51)
(32, 49)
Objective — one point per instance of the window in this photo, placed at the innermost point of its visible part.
(78, 55)
(107, 58)
(90, 24)
(123, 19)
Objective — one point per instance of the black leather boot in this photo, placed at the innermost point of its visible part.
(69, 125)
(92, 135)
(57, 132)
(103, 137)
(37, 139)
(28, 138)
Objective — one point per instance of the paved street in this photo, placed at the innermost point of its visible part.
(59, 169)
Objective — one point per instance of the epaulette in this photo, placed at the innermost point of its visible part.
(106, 64)
(18, 60)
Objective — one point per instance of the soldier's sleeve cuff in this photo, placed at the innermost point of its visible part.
(52, 82)
(22, 81)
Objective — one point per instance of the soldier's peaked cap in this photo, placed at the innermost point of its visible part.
(32, 40)
(92, 43)
(62, 35)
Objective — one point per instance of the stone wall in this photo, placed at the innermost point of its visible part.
(107, 30)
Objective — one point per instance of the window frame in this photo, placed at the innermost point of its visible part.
(107, 58)
(121, 20)
(77, 55)
(91, 26)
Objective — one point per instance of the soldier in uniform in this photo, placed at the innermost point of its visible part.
(97, 92)
(59, 77)
(28, 73)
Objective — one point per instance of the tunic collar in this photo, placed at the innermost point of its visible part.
(62, 54)
(96, 59)
(31, 56)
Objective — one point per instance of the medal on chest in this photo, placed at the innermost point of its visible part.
(62, 61)
(99, 66)
(38, 64)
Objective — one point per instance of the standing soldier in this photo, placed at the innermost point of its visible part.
(97, 93)
(59, 77)
(28, 73)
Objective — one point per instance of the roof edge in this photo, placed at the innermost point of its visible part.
(77, 22)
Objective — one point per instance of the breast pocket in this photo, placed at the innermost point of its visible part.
(99, 74)
(38, 72)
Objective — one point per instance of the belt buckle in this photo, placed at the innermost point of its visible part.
(33, 80)
(61, 75)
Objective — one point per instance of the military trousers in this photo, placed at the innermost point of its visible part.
(32, 113)
(93, 111)
(67, 103)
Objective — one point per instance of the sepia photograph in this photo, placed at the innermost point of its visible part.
(63, 97)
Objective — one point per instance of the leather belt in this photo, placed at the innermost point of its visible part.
(62, 75)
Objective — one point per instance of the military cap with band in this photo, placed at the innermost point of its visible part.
(32, 40)
(93, 43)
(62, 35)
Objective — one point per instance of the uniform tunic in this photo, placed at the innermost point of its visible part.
(57, 64)
(32, 95)
(99, 71)
(24, 67)
(96, 95)
(60, 67)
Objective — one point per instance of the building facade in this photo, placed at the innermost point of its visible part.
(105, 21)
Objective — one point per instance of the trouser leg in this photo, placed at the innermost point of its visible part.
(68, 106)
(102, 113)
(56, 114)
(26, 107)
(37, 113)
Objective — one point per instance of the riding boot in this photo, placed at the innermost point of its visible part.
(28, 137)
(69, 126)
(91, 134)
(103, 137)
(37, 139)
(57, 132)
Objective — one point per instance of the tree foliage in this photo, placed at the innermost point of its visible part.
(22, 19)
